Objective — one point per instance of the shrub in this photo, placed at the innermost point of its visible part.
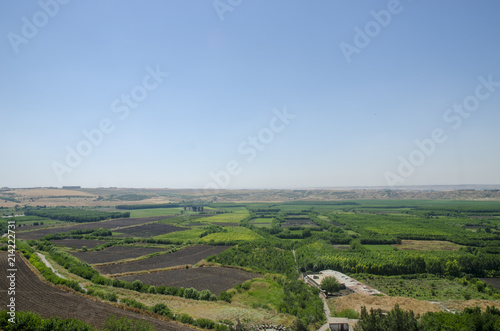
(186, 319)
(205, 323)
(191, 293)
(205, 295)
(225, 296)
(162, 309)
(122, 324)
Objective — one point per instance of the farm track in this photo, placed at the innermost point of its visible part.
(34, 295)
(185, 256)
(109, 224)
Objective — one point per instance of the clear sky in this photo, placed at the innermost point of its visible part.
(249, 94)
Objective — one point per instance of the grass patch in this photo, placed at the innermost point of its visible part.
(234, 233)
(193, 234)
(263, 293)
(428, 287)
(154, 212)
(262, 220)
(227, 218)
(380, 248)
(427, 245)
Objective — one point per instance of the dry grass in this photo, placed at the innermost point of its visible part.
(459, 305)
(356, 301)
(43, 192)
(427, 245)
(218, 310)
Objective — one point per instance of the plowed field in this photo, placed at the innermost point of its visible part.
(209, 278)
(149, 230)
(188, 255)
(111, 225)
(78, 243)
(115, 253)
(36, 296)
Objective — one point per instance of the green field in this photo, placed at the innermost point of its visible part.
(155, 212)
(430, 288)
(263, 293)
(227, 218)
(380, 248)
(192, 235)
(432, 250)
(262, 222)
(234, 233)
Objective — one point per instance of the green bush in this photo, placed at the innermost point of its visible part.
(225, 296)
(134, 304)
(191, 293)
(123, 324)
(30, 321)
(205, 323)
(186, 319)
(162, 309)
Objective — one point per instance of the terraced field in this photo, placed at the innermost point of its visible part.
(110, 224)
(208, 278)
(78, 243)
(188, 255)
(34, 295)
(115, 253)
(150, 230)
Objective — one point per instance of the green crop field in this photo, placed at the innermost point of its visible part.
(433, 250)
(227, 218)
(155, 212)
(234, 233)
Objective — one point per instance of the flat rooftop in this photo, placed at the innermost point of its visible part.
(349, 282)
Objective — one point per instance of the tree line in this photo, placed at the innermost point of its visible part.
(75, 215)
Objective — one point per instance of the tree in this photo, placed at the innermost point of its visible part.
(306, 233)
(330, 285)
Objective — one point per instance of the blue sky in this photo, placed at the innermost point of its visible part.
(352, 120)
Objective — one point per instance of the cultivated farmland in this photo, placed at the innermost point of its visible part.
(290, 222)
(188, 255)
(115, 253)
(208, 278)
(427, 245)
(149, 230)
(36, 296)
(111, 225)
(78, 243)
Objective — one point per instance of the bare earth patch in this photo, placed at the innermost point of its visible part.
(427, 245)
(115, 253)
(208, 278)
(188, 255)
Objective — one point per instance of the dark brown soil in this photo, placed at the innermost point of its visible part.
(495, 282)
(209, 278)
(188, 255)
(110, 224)
(38, 297)
(115, 253)
(149, 230)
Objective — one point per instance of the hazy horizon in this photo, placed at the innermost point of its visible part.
(251, 95)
